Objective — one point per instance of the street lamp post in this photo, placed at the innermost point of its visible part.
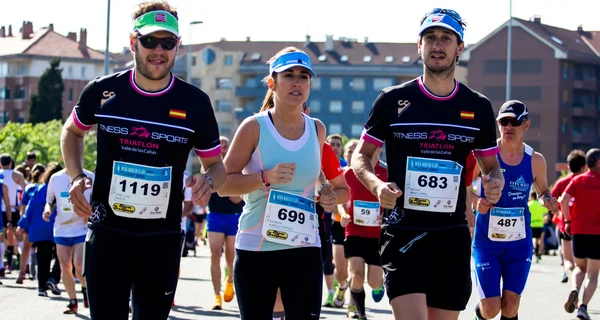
(189, 53)
(509, 52)
(106, 51)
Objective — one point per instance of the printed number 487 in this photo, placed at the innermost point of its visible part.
(507, 222)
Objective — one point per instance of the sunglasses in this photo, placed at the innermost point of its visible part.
(513, 121)
(150, 42)
(451, 13)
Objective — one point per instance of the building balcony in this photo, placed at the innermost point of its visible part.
(583, 136)
(246, 91)
(584, 110)
(587, 84)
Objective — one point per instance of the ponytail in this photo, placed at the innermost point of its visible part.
(268, 102)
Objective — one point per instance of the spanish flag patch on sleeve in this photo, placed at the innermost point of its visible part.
(177, 114)
(467, 115)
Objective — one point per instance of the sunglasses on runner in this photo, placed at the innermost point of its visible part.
(513, 121)
(150, 42)
(451, 13)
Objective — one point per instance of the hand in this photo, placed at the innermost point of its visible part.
(379, 219)
(388, 193)
(328, 198)
(345, 220)
(492, 188)
(80, 205)
(281, 173)
(9, 224)
(46, 216)
(483, 205)
(20, 232)
(201, 190)
(568, 228)
(551, 204)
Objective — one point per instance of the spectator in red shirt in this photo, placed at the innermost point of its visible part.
(576, 161)
(582, 222)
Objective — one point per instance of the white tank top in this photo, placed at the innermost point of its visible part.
(7, 176)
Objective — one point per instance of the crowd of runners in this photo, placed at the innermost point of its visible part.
(284, 190)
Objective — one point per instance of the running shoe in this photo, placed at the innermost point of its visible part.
(582, 314)
(340, 297)
(565, 279)
(53, 287)
(352, 311)
(21, 278)
(329, 302)
(571, 301)
(217, 303)
(228, 294)
(42, 293)
(71, 307)
(2, 272)
(378, 294)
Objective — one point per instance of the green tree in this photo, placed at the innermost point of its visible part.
(17, 139)
(47, 104)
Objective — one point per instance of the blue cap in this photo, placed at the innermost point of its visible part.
(290, 60)
(444, 21)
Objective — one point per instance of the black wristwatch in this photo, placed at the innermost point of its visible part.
(210, 182)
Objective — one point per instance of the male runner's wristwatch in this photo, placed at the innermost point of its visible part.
(210, 182)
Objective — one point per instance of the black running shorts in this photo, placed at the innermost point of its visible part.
(366, 248)
(436, 263)
(586, 246)
(338, 233)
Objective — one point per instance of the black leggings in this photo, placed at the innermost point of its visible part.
(117, 263)
(298, 273)
(45, 252)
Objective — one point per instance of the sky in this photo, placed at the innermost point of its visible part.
(284, 20)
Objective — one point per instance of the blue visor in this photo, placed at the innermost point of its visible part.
(444, 21)
(290, 60)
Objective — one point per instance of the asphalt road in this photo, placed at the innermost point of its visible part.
(543, 298)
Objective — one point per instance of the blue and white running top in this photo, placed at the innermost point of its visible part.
(273, 149)
(507, 225)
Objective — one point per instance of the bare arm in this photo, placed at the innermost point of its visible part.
(71, 144)
(215, 170)
(243, 145)
(188, 207)
(541, 182)
(19, 179)
(490, 166)
(341, 189)
(6, 199)
(564, 202)
(492, 178)
(363, 168)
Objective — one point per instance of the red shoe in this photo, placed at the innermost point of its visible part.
(20, 278)
(71, 307)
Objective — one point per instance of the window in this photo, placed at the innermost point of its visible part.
(519, 66)
(315, 83)
(196, 82)
(251, 82)
(21, 117)
(357, 130)
(565, 96)
(225, 129)
(314, 105)
(535, 119)
(224, 105)
(224, 83)
(20, 94)
(523, 93)
(380, 83)
(335, 106)
(358, 84)
(228, 60)
(582, 98)
(21, 69)
(193, 61)
(83, 77)
(334, 128)
(564, 125)
(582, 127)
(70, 72)
(565, 73)
(583, 146)
(4, 117)
(336, 84)
(2, 93)
(358, 106)
(7, 93)
(70, 95)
